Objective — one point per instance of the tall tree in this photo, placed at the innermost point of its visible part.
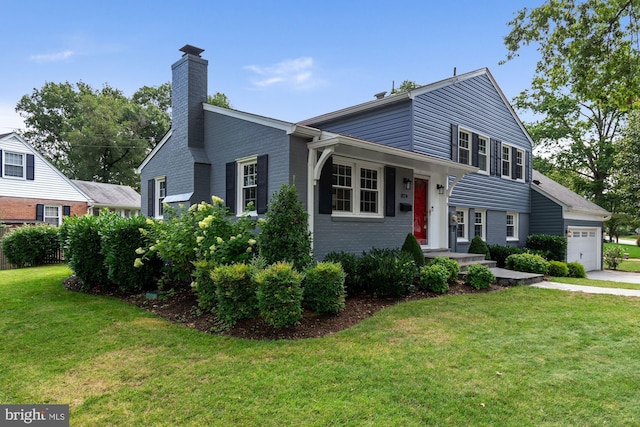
(586, 81)
(627, 171)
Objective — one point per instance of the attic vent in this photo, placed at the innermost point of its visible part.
(191, 50)
(380, 95)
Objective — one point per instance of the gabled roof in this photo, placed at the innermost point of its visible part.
(410, 95)
(112, 195)
(565, 197)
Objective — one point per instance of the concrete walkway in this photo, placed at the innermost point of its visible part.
(610, 275)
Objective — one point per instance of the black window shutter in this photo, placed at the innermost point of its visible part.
(475, 143)
(526, 166)
(30, 167)
(496, 157)
(39, 212)
(151, 197)
(263, 191)
(325, 187)
(0, 162)
(454, 143)
(66, 211)
(514, 163)
(230, 186)
(389, 191)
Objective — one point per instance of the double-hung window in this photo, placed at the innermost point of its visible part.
(519, 165)
(506, 161)
(248, 184)
(161, 193)
(512, 226)
(461, 228)
(483, 154)
(356, 188)
(512, 162)
(479, 223)
(52, 215)
(14, 165)
(464, 147)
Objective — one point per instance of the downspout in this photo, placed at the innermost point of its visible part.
(310, 191)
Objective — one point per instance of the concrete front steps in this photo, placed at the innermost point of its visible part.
(503, 277)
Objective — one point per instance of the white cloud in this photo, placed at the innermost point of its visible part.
(52, 57)
(295, 73)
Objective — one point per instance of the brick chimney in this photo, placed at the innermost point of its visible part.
(189, 91)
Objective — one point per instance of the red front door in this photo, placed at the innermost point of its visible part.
(420, 223)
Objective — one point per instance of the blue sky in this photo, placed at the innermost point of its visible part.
(289, 60)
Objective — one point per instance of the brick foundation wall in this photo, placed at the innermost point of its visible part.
(20, 210)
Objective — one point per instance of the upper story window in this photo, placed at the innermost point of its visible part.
(248, 184)
(464, 147)
(461, 228)
(14, 165)
(356, 188)
(161, 193)
(519, 167)
(483, 154)
(506, 161)
(512, 162)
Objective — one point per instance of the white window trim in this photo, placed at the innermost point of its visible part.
(502, 160)
(241, 163)
(483, 233)
(522, 166)
(516, 225)
(356, 166)
(157, 199)
(465, 215)
(511, 160)
(469, 148)
(58, 208)
(5, 164)
(486, 154)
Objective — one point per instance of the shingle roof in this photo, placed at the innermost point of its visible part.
(564, 196)
(114, 195)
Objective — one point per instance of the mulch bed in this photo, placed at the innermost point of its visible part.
(182, 307)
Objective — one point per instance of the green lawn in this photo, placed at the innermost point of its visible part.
(524, 356)
(632, 250)
(598, 283)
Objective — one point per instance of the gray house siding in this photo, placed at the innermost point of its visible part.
(496, 229)
(546, 216)
(356, 235)
(298, 153)
(389, 125)
(580, 223)
(485, 192)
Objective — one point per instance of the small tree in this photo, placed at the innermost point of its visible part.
(479, 246)
(284, 235)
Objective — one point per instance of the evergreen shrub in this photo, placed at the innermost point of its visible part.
(235, 293)
(31, 245)
(529, 263)
(576, 270)
(558, 269)
(479, 276)
(323, 286)
(280, 295)
(479, 246)
(412, 246)
(499, 253)
(388, 272)
(83, 251)
(351, 266)
(433, 277)
(452, 266)
(553, 248)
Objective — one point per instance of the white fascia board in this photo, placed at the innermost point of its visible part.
(583, 216)
(153, 152)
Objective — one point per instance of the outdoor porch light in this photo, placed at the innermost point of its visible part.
(407, 183)
(440, 188)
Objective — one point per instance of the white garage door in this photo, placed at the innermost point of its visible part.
(584, 245)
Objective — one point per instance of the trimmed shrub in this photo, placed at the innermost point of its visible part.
(412, 246)
(280, 295)
(553, 247)
(528, 263)
(558, 269)
(121, 242)
(499, 253)
(323, 287)
(388, 272)
(351, 266)
(235, 292)
(613, 256)
(576, 270)
(83, 251)
(433, 277)
(284, 235)
(479, 246)
(31, 245)
(452, 266)
(479, 276)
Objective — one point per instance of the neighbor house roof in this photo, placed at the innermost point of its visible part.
(565, 197)
(112, 195)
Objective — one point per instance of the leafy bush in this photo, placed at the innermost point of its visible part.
(576, 270)
(284, 235)
(83, 250)
(527, 262)
(121, 241)
(31, 245)
(351, 266)
(479, 276)
(280, 295)
(554, 247)
(235, 292)
(412, 246)
(500, 253)
(479, 246)
(558, 269)
(613, 256)
(433, 277)
(323, 286)
(388, 272)
(452, 266)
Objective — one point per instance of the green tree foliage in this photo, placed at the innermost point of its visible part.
(219, 99)
(586, 81)
(405, 86)
(627, 171)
